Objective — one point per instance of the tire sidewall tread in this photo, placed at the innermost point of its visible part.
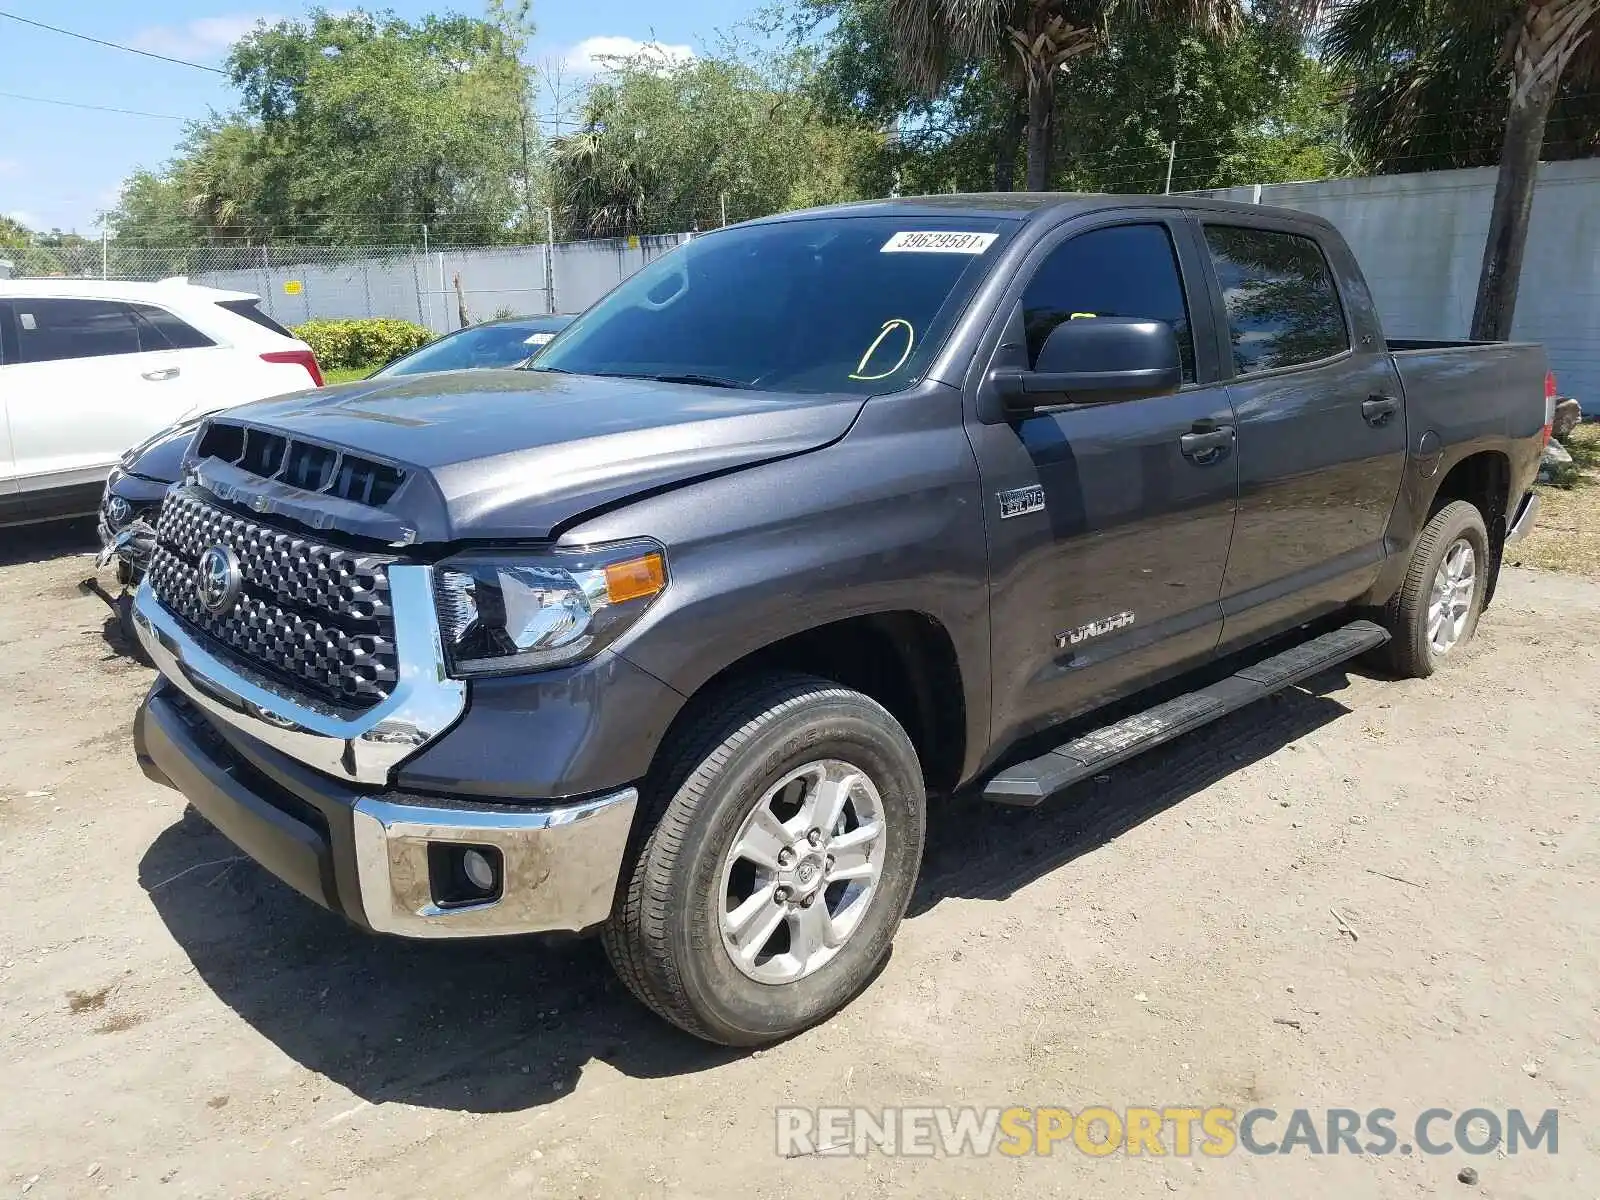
(664, 939)
(1406, 615)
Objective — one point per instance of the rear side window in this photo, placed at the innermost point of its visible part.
(1120, 271)
(51, 330)
(250, 312)
(1283, 307)
(170, 332)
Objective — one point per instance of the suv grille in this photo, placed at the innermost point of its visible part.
(315, 615)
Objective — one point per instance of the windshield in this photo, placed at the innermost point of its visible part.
(482, 346)
(835, 304)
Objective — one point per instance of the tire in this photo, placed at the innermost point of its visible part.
(1412, 652)
(666, 936)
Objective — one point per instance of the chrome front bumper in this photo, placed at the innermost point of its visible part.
(559, 863)
(1525, 518)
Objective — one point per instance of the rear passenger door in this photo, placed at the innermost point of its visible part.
(10, 495)
(1319, 417)
(92, 378)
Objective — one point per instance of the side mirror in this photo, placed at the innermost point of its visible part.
(1096, 360)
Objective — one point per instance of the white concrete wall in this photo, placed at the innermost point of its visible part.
(1420, 238)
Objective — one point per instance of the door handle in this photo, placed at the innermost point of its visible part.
(1206, 446)
(163, 373)
(1376, 410)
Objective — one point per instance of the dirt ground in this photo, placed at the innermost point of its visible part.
(176, 1023)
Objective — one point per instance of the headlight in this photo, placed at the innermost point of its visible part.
(518, 611)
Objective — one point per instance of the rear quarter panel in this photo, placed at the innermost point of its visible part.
(1472, 398)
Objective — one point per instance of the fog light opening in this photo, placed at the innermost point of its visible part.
(464, 874)
(478, 871)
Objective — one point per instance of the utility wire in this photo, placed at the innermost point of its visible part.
(127, 112)
(113, 45)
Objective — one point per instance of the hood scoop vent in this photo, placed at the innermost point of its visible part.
(304, 465)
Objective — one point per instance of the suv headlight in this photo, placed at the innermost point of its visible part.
(521, 611)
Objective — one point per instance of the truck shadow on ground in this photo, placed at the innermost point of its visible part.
(507, 1025)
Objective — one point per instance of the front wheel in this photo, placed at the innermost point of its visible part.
(784, 836)
(1436, 610)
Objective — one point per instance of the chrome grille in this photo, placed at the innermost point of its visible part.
(317, 615)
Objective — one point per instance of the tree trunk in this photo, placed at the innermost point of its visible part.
(1508, 221)
(1011, 133)
(1041, 125)
(1548, 34)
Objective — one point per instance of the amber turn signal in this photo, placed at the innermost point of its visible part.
(635, 578)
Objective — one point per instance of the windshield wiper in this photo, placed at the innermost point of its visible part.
(721, 381)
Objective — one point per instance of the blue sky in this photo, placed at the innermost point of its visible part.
(60, 167)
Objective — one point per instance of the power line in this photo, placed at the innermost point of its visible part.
(127, 112)
(113, 45)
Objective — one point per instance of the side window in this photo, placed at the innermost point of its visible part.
(1283, 307)
(49, 330)
(163, 331)
(1121, 271)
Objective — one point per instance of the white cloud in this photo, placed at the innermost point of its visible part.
(206, 38)
(591, 54)
(24, 218)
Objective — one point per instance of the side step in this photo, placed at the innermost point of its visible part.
(1029, 783)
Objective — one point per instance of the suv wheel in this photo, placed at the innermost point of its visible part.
(1436, 610)
(780, 848)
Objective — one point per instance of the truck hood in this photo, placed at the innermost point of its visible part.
(517, 454)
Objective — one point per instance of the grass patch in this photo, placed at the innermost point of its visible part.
(1567, 535)
(346, 374)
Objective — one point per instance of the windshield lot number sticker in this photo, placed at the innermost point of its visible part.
(939, 242)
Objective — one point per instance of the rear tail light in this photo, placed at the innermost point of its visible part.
(1549, 405)
(305, 358)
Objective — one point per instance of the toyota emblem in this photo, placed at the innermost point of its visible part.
(118, 511)
(219, 580)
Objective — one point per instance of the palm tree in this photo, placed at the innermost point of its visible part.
(1543, 42)
(1031, 40)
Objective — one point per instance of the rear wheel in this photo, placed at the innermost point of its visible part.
(1436, 610)
(783, 841)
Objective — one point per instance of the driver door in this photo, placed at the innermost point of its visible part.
(1108, 524)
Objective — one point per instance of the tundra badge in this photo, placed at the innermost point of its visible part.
(1094, 629)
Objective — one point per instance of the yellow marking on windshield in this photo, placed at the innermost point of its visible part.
(888, 327)
(1075, 316)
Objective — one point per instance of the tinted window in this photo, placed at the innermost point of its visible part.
(48, 330)
(170, 332)
(482, 346)
(1283, 308)
(250, 312)
(1123, 271)
(831, 304)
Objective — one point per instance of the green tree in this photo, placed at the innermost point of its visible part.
(14, 233)
(1411, 57)
(664, 145)
(1029, 42)
(359, 127)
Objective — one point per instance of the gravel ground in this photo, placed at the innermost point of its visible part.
(176, 1023)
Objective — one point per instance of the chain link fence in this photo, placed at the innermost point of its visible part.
(442, 287)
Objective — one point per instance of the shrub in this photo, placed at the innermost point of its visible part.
(361, 341)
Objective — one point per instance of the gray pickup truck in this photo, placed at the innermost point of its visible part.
(673, 635)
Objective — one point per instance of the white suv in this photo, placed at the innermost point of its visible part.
(89, 368)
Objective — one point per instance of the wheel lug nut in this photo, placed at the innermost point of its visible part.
(785, 857)
(814, 837)
(806, 903)
(781, 895)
